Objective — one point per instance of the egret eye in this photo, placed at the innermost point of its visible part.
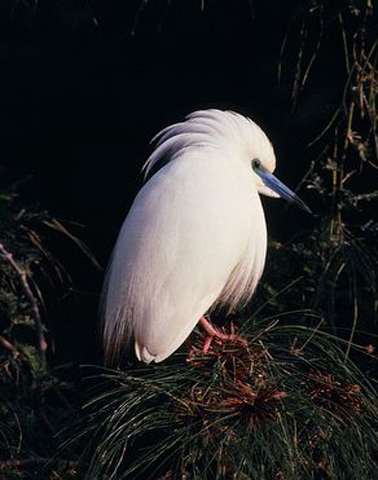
(256, 163)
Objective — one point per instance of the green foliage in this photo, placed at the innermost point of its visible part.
(290, 405)
(338, 259)
(34, 404)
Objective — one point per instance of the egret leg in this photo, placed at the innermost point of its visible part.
(213, 333)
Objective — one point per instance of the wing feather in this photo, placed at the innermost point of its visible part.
(184, 240)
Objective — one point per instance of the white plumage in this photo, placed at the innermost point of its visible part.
(195, 236)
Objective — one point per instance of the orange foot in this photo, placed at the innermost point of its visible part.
(219, 336)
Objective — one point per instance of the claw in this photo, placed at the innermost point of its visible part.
(219, 336)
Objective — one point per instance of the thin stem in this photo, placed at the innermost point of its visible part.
(26, 463)
(7, 345)
(22, 274)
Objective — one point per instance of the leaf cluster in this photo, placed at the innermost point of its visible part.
(337, 259)
(34, 396)
(288, 405)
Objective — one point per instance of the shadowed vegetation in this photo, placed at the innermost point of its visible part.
(289, 405)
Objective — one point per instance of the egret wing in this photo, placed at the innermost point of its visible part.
(184, 239)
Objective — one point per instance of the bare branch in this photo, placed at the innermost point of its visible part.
(25, 463)
(9, 346)
(25, 283)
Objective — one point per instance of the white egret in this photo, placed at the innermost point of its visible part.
(195, 236)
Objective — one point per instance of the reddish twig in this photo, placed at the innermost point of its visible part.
(41, 341)
(9, 346)
(26, 463)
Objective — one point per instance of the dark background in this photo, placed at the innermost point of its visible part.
(84, 86)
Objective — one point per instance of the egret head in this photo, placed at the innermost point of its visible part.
(239, 137)
(260, 156)
(268, 184)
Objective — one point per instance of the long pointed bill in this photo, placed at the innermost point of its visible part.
(281, 189)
